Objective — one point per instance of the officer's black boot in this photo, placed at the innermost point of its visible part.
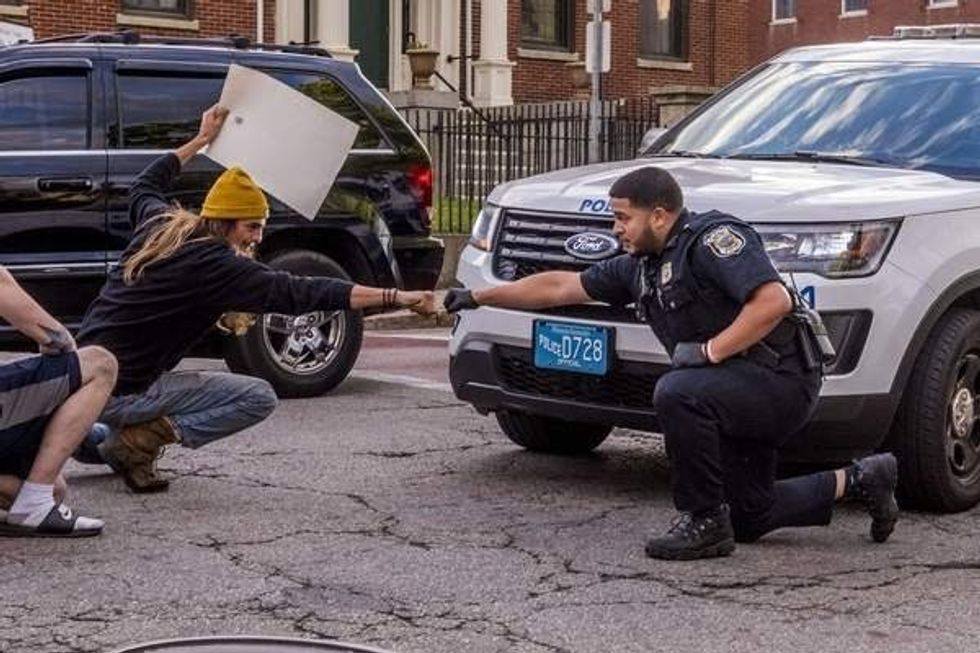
(690, 536)
(873, 480)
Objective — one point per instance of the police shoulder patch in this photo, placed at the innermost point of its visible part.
(724, 241)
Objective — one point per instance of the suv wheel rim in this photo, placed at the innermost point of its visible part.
(962, 432)
(304, 344)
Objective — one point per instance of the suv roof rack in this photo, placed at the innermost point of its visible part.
(924, 32)
(236, 41)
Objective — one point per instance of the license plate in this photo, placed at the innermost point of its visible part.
(571, 347)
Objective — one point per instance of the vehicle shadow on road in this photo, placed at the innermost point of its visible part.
(615, 470)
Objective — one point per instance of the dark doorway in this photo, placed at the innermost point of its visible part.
(369, 34)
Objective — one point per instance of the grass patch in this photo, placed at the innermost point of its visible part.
(454, 215)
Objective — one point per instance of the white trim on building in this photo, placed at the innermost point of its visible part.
(493, 72)
(11, 33)
(436, 22)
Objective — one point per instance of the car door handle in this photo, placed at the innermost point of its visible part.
(65, 184)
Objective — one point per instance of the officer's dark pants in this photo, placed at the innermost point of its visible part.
(722, 425)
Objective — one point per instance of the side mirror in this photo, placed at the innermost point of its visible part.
(649, 137)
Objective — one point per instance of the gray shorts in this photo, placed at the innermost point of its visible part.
(31, 389)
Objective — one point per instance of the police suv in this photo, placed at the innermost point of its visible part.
(859, 164)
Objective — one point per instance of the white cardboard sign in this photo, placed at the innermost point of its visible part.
(290, 144)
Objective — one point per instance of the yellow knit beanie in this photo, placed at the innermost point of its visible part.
(234, 196)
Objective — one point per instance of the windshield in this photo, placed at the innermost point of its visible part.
(908, 115)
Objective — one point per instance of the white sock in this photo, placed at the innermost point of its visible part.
(32, 505)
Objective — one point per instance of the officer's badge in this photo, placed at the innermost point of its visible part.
(724, 242)
(666, 273)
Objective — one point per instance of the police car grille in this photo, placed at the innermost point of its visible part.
(627, 385)
(529, 242)
(595, 312)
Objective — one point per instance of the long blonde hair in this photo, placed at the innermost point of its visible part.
(176, 227)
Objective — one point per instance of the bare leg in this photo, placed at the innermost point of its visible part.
(70, 424)
(36, 510)
(9, 487)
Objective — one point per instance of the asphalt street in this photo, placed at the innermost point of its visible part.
(389, 513)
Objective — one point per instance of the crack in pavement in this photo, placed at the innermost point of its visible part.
(421, 452)
(945, 630)
(781, 585)
(393, 611)
(447, 620)
(550, 583)
(277, 603)
(241, 480)
(418, 406)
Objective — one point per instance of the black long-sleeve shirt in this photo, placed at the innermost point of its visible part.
(150, 325)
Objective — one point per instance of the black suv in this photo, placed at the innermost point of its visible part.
(81, 116)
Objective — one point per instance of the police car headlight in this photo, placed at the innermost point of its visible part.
(847, 249)
(483, 227)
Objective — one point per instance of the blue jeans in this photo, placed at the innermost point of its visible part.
(202, 406)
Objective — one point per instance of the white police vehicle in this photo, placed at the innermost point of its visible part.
(860, 166)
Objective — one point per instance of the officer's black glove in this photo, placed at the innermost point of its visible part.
(459, 299)
(689, 354)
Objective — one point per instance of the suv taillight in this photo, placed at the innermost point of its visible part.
(420, 181)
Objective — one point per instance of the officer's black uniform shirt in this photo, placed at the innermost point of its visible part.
(710, 265)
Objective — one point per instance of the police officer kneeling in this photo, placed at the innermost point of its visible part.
(744, 377)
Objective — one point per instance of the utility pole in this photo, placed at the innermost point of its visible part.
(598, 63)
(260, 21)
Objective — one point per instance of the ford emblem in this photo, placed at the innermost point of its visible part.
(591, 246)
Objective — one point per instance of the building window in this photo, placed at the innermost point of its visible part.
(547, 24)
(663, 29)
(942, 3)
(783, 10)
(853, 7)
(177, 8)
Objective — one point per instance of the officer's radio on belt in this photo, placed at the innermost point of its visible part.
(812, 334)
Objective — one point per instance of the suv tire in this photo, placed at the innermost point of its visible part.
(937, 433)
(551, 435)
(284, 353)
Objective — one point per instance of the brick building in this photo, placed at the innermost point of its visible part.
(696, 44)
(369, 31)
(496, 51)
(511, 51)
(171, 17)
(775, 25)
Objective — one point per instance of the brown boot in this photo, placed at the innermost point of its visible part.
(134, 451)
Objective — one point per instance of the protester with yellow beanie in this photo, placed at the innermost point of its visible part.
(180, 273)
(235, 196)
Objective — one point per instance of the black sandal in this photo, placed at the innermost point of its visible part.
(59, 522)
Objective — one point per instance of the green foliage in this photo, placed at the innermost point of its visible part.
(454, 215)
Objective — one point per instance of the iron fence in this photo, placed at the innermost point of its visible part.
(474, 151)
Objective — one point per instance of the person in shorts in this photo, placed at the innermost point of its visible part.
(48, 403)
